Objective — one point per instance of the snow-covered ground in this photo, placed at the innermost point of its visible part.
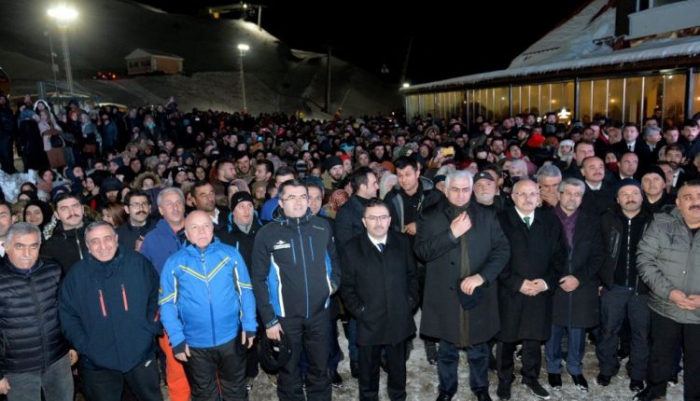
(422, 382)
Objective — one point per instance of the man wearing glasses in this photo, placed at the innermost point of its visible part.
(348, 224)
(131, 233)
(464, 249)
(294, 273)
(380, 288)
(537, 259)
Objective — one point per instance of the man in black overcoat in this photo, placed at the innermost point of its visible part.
(464, 249)
(380, 288)
(537, 258)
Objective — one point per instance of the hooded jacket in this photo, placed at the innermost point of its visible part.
(109, 310)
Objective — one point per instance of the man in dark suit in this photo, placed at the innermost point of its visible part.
(630, 140)
(527, 283)
(465, 250)
(600, 191)
(576, 296)
(649, 149)
(380, 288)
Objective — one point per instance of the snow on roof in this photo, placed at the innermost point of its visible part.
(138, 53)
(573, 38)
(576, 44)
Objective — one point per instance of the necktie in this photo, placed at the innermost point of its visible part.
(527, 221)
(630, 148)
(381, 247)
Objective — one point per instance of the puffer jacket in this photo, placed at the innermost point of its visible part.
(206, 296)
(30, 332)
(667, 259)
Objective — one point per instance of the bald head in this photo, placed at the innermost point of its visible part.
(526, 196)
(199, 228)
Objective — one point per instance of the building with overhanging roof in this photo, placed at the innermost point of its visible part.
(625, 60)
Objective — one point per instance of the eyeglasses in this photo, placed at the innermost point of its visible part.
(381, 218)
(456, 190)
(294, 198)
(142, 205)
(526, 194)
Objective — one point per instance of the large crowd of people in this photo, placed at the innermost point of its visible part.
(200, 248)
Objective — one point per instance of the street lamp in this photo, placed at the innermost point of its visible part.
(64, 15)
(242, 49)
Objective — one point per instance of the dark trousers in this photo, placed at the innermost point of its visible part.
(353, 351)
(226, 363)
(333, 358)
(252, 354)
(311, 335)
(576, 349)
(615, 304)
(531, 360)
(665, 336)
(448, 364)
(395, 367)
(107, 384)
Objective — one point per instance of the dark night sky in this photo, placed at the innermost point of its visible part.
(451, 38)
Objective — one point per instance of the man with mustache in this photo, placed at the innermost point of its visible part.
(380, 288)
(668, 264)
(537, 261)
(35, 355)
(675, 156)
(66, 245)
(600, 192)
(108, 306)
(575, 301)
(624, 294)
(131, 233)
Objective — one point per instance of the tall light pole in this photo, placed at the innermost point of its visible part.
(242, 49)
(64, 15)
(54, 66)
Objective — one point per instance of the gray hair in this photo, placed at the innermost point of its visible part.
(649, 131)
(572, 182)
(519, 164)
(95, 225)
(459, 174)
(170, 190)
(21, 229)
(548, 171)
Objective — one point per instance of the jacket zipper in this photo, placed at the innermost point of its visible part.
(629, 245)
(102, 304)
(211, 307)
(77, 242)
(303, 262)
(40, 315)
(126, 303)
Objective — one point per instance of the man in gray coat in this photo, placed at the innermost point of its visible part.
(465, 250)
(668, 264)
